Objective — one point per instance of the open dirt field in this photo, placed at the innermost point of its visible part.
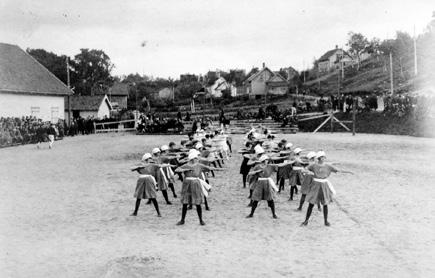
(65, 213)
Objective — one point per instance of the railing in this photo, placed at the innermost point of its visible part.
(106, 126)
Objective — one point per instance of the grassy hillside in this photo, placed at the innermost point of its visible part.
(373, 76)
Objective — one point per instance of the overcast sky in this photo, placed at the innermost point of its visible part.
(196, 36)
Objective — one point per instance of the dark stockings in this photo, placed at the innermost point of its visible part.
(171, 186)
(270, 203)
(293, 188)
(325, 215)
(310, 210)
(184, 212)
(281, 184)
(206, 204)
(154, 201)
(244, 180)
(301, 203)
(165, 195)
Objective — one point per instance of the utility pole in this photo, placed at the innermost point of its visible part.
(391, 74)
(415, 54)
(69, 86)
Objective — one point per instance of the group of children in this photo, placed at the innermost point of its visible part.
(204, 153)
(193, 161)
(262, 157)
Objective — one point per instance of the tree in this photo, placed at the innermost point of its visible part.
(92, 71)
(54, 63)
(357, 44)
(373, 46)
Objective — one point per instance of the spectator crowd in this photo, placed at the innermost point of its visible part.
(26, 130)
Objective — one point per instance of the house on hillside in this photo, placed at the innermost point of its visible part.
(331, 60)
(27, 88)
(218, 87)
(166, 93)
(118, 95)
(97, 107)
(265, 82)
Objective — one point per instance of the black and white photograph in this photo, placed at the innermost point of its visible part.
(221, 138)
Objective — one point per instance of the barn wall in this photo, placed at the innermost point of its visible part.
(103, 110)
(47, 108)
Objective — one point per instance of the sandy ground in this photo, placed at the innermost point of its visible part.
(65, 213)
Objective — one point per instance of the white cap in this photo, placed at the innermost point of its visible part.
(146, 156)
(288, 145)
(193, 151)
(320, 154)
(263, 158)
(164, 148)
(258, 149)
(193, 155)
(311, 155)
(155, 150)
(297, 150)
(198, 145)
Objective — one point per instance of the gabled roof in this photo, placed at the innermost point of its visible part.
(87, 103)
(275, 79)
(220, 82)
(253, 76)
(21, 73)
(118, 89)
(331, 52)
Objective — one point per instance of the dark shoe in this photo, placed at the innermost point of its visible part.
(159, 215)
(299, 209)
(327, 224)
(275, 217)
(181, 222)
(207, 208)
(133, 214)
(202, 223)
(168, 203)
(175, 196)
(250, 216)
(305, 223)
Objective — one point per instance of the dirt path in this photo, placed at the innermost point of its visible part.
(64, 213)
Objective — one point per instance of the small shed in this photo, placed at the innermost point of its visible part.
(97, 107)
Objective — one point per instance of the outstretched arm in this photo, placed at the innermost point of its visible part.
(208, 168)
(181, 170)
(345, 172)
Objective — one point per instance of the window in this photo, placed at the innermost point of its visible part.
(54, 114)
(34, 111)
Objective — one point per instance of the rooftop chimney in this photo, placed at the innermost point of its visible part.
(264, 65)
(336, 46)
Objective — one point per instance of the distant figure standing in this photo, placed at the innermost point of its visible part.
(51, 132)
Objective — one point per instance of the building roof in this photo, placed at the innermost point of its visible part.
(87, 103)
(118, 89)
(20, 73)
(253, 76)
(331, 52)
(275, 80)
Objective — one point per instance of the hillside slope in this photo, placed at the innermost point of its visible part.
(373, 76)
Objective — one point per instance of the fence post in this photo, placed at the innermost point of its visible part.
(353, 116)
(331, 117)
